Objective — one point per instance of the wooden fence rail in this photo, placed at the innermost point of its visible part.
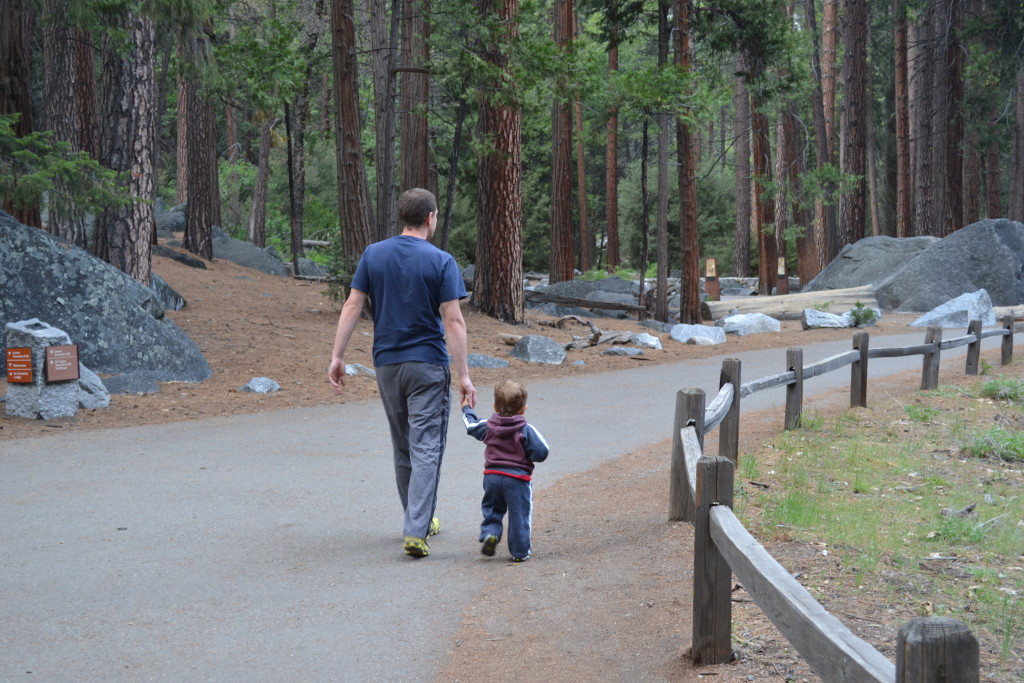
(701, 490)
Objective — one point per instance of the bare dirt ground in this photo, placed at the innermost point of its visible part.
(606, 600)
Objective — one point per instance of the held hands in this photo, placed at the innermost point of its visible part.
(468, 392)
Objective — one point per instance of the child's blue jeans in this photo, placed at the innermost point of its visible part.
(515, 496)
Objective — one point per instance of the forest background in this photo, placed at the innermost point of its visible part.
(559, 135)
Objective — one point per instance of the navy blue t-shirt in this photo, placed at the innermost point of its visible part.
(407, 279)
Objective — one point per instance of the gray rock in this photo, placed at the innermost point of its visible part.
(353, 369)
(749, 323)
(986, 255)
(622, 351)
(648, 341)
(184, 259)
(479, 360)
(702, 341)
(247, 254)
(657, 325)
(311, 268)
(92, 393)
(170, 221)
(868, 261)
(811, 319)
(38, 398)
(683, 333)
(535, 348)
(116, 322)
(169, 299)
(960, 312)
(261, 385)
(135, 383)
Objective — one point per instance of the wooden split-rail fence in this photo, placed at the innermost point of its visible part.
(701, 492)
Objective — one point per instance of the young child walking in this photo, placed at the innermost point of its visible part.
(511, 447)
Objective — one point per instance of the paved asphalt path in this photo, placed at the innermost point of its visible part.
(268, 547)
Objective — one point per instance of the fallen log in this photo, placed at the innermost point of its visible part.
(543, 297)
(791, 306)
(1002, 311)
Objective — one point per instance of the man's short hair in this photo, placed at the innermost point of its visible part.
(414, 206)
(509, 398)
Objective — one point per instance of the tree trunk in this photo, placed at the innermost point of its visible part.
(257, 229)
(562, 260)
(993, 181)
(181, 157)
(953, 129)
(383, 50)
(1016, 212)
(127, 143)
(971, 195)
(17, 25)
(830, 23)
(904, 183)
(453, 170)
(741, 244)
(70, 103)
(853, 152)
(353, 191)
(498, 287)
(689, 300)
(664, 121)
(586, 239)
(611, 170)
(203, 210)
(764, 214)
(416, 170)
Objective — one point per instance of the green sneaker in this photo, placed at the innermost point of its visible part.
(490, 542)
(417, 547)
(435, 527)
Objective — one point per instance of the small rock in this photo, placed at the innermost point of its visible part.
(261, 385)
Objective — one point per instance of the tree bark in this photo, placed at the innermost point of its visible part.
(181, 156)
(70, 104)
(1016, 212)
(904, 184)
(829, 27)
(257, 229)
(664, 120)
(993, 182)
(203, 210)
(853, 152)
(353, 190)
(764, 214)
(689, 304)
(741, 244)
(383, 49)
(498, 287)
(612, 170)
(17, 25)
(562, 260)
(127, 144)
(416, 170)
(953, 129)
(586, 239)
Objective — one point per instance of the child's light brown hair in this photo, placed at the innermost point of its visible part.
(509, 398)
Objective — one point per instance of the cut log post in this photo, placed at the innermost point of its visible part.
(936, 649)
(689, 411)
(859, 372)
(794, 391)
(1006, 355)
(973, 348)
(791, 306)
(729, 430)
(930, 369)
(712, 578)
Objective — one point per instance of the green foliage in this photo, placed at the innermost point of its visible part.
(920, 413)
(862, 315)
(36, 165)
(996, 443)
(1003, 389)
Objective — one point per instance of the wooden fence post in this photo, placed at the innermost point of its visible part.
(729, 429)
(936, 649)
(794, 391)
(712, 577)
(973, 348)
(930, 369)
(1007, 348)
(689, 410)
(859, 372)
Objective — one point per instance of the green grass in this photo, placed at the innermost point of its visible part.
(883, 500)
(1002, 389)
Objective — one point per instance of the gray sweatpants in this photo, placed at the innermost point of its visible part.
(417, 401)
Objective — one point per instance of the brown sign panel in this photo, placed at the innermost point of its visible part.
(61, 363)
(19, 366)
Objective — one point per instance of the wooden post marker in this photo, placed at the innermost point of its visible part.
(729, 429)
(859, 372)
(1007, 347)
(712, 578)
(794, 391)
(712, 287)
(973, 348)
(689, 410)
(936, 649)
(930, 369)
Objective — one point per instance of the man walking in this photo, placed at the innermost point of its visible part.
(414, 290)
